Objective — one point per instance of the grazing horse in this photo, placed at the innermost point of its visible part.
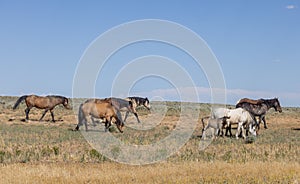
(137, 101)
(40, 102)
(216, 123)
(118, 103)
(259, 107)
(103, 109)
(237, 116)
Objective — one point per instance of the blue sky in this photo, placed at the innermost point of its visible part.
(256, 43)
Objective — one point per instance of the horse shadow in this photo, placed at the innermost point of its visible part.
(37, 120)
(296, 129)
(89, 130)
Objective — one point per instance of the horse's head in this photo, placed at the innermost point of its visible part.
(66, 103)
(120, 125)
(276, 105)
(146, 103)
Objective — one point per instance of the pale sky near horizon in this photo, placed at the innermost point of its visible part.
(255, 42)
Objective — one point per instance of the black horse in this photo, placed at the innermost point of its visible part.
(259, 107)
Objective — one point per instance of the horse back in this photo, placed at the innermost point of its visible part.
(36, 101)
(98, 109)
(250, 101)
(43, 102)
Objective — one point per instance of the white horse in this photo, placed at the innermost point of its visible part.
(237, 116)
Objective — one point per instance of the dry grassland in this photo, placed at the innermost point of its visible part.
(179, 172)
(46, 152)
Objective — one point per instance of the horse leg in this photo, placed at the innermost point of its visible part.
(43, 114)
(106, 126)
(119, 125)
(228, 129)
(27, 112)
(203, 135)
(52, 115)
(238, 131)
(243, 132)
(220, 132)
(137, 117)
(252, 129)
(85, 124)
(107, 123)
(257, 124)
(119, 116)
(204, 132)
(93, 121)
(216, 133)
(126, 115)
(265, 123)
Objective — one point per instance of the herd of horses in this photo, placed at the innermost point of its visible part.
(244, 115)
(108, 110)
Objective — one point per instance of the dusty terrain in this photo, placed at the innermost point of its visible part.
(35, 152)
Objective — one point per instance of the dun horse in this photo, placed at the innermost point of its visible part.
(40, 102)
(107, 109)
(137, 101)
(259, 107)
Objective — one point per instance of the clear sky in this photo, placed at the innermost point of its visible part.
(257, 44)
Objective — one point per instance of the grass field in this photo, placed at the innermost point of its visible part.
(35, 152)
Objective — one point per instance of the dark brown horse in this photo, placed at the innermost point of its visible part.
(107, 109)
(41, 102)
(259, 107)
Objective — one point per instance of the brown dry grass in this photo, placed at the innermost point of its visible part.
(45, 152)
(182, 172)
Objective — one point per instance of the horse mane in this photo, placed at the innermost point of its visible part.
(57, 96)
(270, 102)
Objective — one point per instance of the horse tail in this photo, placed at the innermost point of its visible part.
(19, 101)
(80, 117)
(203, 123)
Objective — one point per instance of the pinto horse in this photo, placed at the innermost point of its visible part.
(137, 101)
(48, 103)
(259, 107)
(107, 109)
